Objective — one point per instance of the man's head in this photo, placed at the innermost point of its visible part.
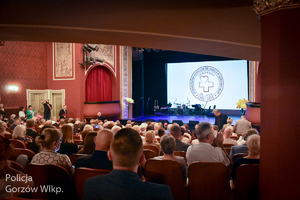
(249, 132)
(17, 120)
(54, 118)
(216, 112)
(103, 139)
(99, 114)
(228, 132)
(30, 123)
(47, 100)
(126, 149)
(205, 133)
(175, 131)
(65, 107)
(43, 121)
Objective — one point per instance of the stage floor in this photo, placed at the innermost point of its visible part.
(184, 119)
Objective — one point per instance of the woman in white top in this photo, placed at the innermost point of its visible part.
(22, 112)
(50, 141)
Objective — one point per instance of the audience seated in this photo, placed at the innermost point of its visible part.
(30, 129)
(98, 159)
(227, 134)
(204, 151)
(242, 148)
(8, 174)
(88, 144)
(185, 136)
(115, 129)
(50, 141)
(161, 132)
(123, 182)
(15, 123)
(3, 127)
(253, 157)
(175, 131)
(150, 139)
(67, 146)
(168, 145)
(19, 134)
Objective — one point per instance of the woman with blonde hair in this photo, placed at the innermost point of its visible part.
(19, 134)
(50, 141)
(150, 139)
(3, 127)
(67, 146)
(253, 157)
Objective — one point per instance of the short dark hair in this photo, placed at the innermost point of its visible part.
(126, 147)
(161, 132)
(30, 123)
(175, 130)
(168, 144)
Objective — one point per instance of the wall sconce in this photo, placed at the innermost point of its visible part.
(13, 88)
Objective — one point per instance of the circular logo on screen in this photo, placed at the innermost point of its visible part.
(206, 83)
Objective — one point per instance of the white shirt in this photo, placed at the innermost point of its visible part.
(21, 114)
(205, 152)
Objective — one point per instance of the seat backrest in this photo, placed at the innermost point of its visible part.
(83, 173)
(46, 177)
(228, 145)
(20, 151)
(153, 148)
(74, 156)
(238, 155)
(227, 149)
(208, 181)
(8, 136)
(17, 166)
(167, 172)
(17, 143)
(247, 182)
(149, 154)
(77, 141)
(76, 137)
(181, 153)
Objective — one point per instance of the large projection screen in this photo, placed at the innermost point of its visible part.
(220, 83)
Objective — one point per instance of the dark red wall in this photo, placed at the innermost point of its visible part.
(280, 83)
(23, 64)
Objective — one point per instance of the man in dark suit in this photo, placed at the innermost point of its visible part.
(242, 148)
(123, 182)
(17, 122)
(63, 112)
(220, 118)
(30, 129)
(175, 131)
(99, 159)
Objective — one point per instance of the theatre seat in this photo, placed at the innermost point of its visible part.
(153, 148)
(82, 174)
(247, 182)
(17, 166)
(51, 176)
(149, 154)
(74, 156)
(17, 143)
(20, 151)
(182, 154)
(208, 181)
(238, 155)
(167, 172)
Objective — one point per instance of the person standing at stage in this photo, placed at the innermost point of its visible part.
(220, 118)
(47, 109)
(63, 112)
(100, 116)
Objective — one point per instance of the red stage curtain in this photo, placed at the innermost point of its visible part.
(98, 85)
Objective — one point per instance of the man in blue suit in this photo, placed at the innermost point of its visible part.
(123, 182)
(242, 148)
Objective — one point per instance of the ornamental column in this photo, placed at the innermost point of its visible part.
(280, 98)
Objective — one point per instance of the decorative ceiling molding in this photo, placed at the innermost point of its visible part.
(263, 7)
